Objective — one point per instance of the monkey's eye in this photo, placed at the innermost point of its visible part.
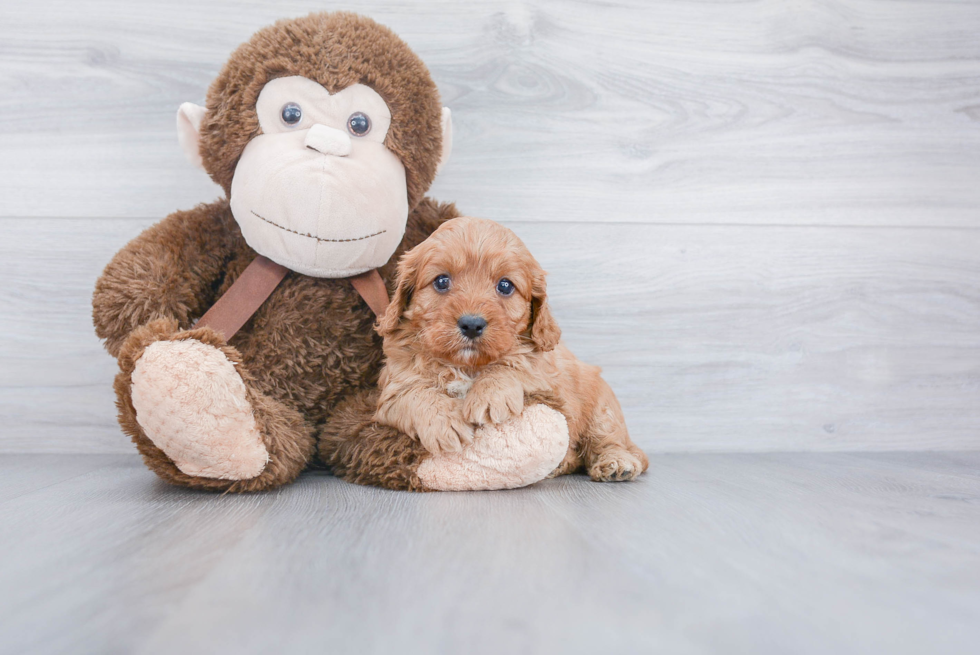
(359, 124)
(505, 287)
(291, 114)
(441, 283)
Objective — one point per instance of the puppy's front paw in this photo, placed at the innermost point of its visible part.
(445, 433)
(493, 403)
(615, 465)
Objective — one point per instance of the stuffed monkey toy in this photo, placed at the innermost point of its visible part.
(244, 327)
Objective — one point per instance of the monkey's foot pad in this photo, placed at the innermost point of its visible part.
(514, 454)
(191, 403)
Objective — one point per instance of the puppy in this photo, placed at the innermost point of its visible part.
(469, 338)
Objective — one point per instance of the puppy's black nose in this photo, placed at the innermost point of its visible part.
(471, 326)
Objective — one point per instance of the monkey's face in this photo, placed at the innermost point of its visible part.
(324, 131)
(317, 191)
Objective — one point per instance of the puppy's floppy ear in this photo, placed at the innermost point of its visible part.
(542, 328)
(404, 285)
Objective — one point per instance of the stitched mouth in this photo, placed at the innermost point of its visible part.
(311, 236)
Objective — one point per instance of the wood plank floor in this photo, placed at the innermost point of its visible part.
(744, 553)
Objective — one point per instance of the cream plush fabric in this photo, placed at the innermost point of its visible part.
(314, 196)
(515, 454)
(191, 403)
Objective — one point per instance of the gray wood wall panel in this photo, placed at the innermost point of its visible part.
(760, 217)
(816, 112)
(715, 337)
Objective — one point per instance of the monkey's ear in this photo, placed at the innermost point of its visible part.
(447, 138)
(189, 118)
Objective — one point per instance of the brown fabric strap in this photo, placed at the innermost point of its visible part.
(257, 282)
(372, 288)
(244, 297)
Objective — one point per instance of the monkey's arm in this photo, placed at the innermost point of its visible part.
(171, 270)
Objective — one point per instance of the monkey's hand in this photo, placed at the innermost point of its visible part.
(494, 399)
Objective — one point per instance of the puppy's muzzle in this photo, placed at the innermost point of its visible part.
(471, 326)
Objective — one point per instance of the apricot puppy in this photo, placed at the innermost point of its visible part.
(468, 338)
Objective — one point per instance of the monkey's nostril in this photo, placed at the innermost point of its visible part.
(471, 326)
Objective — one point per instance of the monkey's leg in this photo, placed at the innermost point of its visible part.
(197, 418)
(514, 454)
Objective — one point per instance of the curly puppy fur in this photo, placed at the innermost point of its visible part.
(311, 344)
(438, 383)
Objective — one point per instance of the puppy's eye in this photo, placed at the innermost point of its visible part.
(359, 124)
(505, 287)
(441, 283)
(291, 114)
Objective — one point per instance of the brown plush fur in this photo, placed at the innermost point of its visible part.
(360, 450)
(311, 343)
(518, 353)
(307, 347)
(287, 436)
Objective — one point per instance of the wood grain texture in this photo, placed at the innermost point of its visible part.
(807, 112)
(801, 553)
(730, 338)
(760, 217)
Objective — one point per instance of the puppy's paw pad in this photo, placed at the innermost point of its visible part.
(615, 466)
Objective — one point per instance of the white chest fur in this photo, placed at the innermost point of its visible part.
(460, 384)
